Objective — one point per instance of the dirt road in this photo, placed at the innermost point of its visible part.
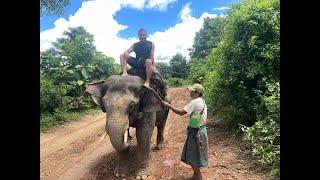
(74, 151)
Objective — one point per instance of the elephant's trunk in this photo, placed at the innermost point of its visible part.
(117, 131)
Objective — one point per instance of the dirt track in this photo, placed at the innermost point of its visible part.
(74, 151)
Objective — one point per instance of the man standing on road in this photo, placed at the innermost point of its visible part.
(195, 150)
(144, 60)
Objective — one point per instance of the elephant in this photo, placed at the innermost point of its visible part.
(128, 103)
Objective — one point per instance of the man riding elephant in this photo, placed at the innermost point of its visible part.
(144, 60)
(143, 64)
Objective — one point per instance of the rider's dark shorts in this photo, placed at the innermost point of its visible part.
(137, 63)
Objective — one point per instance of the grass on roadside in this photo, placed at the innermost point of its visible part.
(49, 121)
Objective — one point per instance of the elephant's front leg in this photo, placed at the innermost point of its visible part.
(144, 132)
(123, 166)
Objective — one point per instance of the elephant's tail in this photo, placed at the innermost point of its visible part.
(104, 136)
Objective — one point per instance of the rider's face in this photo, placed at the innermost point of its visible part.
(142, 36)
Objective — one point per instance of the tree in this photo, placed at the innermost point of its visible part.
(242, 86)
(73, 61)
(197, 70)
(249, 52)
(179, 67)
(48, 7)
(207, 38)
(164, 69)
(76, 58)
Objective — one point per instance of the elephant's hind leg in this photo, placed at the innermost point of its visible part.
(160, 139)
(160, 127)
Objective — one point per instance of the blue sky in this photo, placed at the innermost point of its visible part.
(171, 24)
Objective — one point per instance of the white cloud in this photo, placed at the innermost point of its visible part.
(185, 13)
(221, 8)
(48, 36)
(161, 5)
(137, 4)
(178, 38)
(97, 18)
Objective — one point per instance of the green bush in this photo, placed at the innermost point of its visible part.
(50, 120)
(249, 51)
(175, 82)
(264, 135)
(51, 96)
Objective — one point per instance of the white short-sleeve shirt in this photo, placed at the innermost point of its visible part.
(196, 105)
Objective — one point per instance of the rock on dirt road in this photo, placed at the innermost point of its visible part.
(74, 151)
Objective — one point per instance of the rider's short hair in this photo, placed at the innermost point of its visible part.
(142, 30)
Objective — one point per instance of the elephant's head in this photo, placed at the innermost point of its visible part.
(123, 98)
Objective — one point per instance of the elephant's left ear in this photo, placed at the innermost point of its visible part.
(150, 100)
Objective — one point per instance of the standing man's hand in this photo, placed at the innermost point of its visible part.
(165, 103)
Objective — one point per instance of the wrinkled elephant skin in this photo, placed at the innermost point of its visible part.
(128, 103)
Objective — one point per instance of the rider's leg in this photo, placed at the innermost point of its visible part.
(123, 63)
(148, 71)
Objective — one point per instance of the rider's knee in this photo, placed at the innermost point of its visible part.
(148, 62)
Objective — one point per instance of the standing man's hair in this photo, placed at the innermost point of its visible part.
(140, 30)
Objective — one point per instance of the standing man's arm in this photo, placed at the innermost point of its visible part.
(174, 109)
(152, 54)
(128, 51)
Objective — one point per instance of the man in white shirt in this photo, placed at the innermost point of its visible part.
(193, 154)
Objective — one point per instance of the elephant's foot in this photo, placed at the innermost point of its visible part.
(121, 170)
(142, 173)
(160, 145)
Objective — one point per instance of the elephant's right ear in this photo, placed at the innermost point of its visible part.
(150, 100)
(96, 91)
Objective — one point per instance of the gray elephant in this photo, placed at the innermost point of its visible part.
(128, 103)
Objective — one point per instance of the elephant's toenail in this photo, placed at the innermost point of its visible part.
(144, 176)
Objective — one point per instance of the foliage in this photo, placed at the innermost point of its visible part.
(197, 70)
(65, 68)
(51, 96)
(175, 82)
(241, 75)
(48, 7)
(164, 69)
(248, 53)
(207, 38)
(50, 120)
(179, 67)
(264, 135)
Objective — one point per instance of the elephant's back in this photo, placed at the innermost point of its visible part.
(119, 79)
